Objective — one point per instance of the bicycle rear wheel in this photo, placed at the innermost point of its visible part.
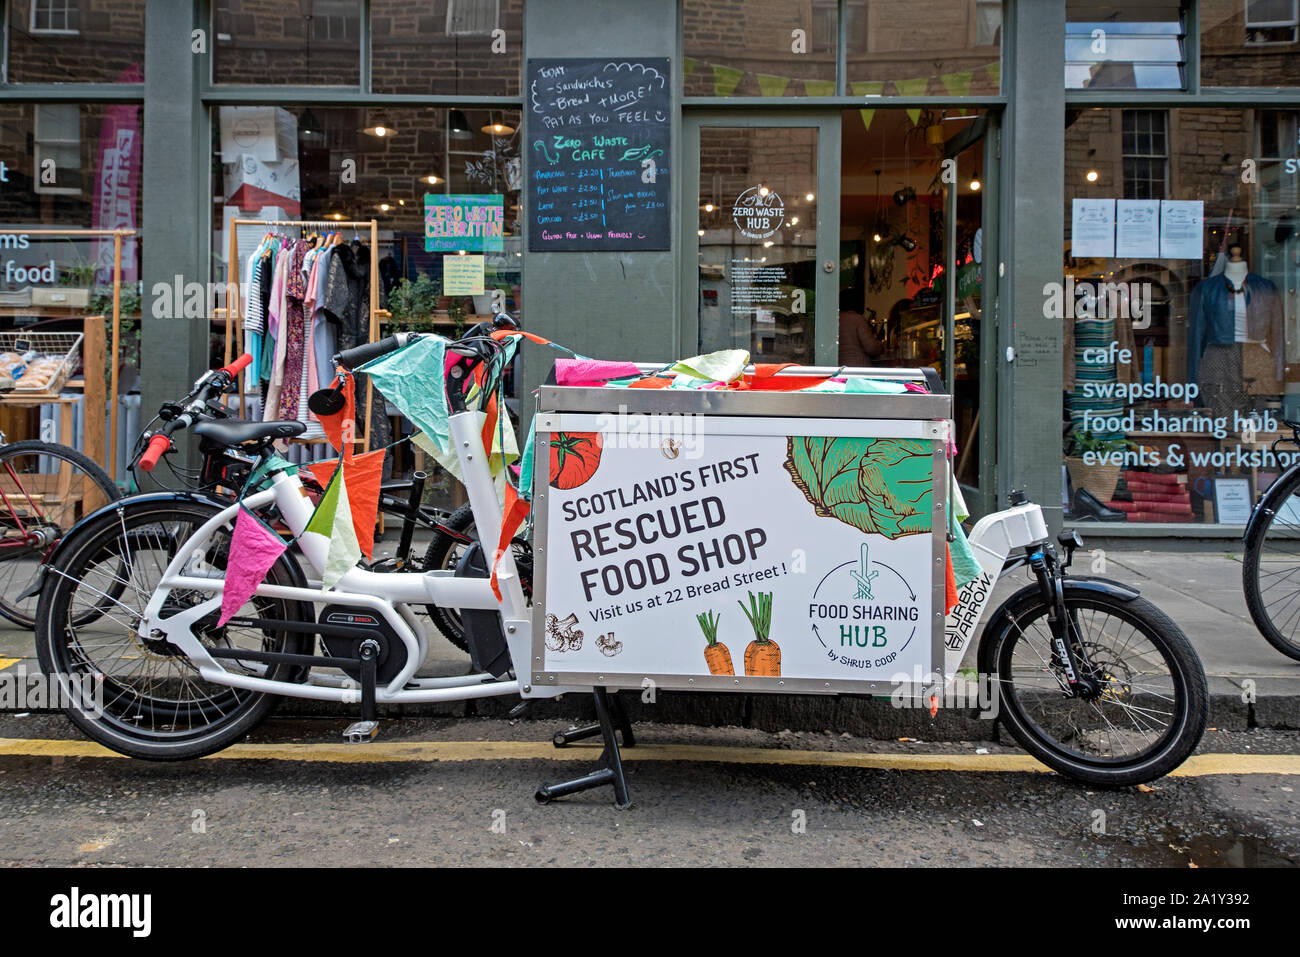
(45, 489)
(152, 701)
(1270, 568)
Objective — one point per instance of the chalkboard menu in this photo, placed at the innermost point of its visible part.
(598, 136)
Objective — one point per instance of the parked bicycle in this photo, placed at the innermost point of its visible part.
(1092, 679)
(223, 472)
(1270, 566)
(45, 489)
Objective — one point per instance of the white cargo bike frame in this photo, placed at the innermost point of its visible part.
(392, 595)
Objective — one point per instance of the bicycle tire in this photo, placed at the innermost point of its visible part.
(1253, 570)
(175, 715)
(22, 611)
(1189, 711)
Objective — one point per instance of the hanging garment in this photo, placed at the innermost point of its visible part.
(1223, 388)
(1212, 318)
(276, 336)
(294, 332)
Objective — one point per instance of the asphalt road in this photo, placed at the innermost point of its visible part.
(702, 797)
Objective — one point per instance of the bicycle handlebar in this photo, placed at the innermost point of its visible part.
(238, 366)
(157, 446)
(360, 355)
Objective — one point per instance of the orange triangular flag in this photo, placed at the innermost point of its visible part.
(341, 427)
(362, 475)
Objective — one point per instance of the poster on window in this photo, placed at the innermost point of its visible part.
(1092, 229)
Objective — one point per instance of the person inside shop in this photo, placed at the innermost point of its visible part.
(859, 344)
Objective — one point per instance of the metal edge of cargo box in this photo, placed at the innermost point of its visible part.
(933, 408)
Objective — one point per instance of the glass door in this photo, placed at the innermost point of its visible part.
(762, 216)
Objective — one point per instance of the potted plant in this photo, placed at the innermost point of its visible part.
(412, 304)
(1097, 476)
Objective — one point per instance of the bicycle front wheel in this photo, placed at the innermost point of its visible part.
(45, 489)
(1150, 704)
(1270, 568)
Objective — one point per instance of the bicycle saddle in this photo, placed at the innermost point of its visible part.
(234, 432)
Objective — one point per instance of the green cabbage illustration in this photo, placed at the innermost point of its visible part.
(877, 485)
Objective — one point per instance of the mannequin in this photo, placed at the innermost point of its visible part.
(1232, 313)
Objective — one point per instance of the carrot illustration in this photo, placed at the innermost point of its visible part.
(716, 655)
(763, 656)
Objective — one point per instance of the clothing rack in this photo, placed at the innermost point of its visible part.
(234, 303)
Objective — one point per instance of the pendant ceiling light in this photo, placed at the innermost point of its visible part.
(381, 127)
(458, 126)
(497, 128)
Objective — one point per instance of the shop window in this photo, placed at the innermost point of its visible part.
(54, 16)
(471, 47)
(1118, 46)
(57, 158)
(1181, 322)
(1250, 43)
(764, 48)
(77, 167)
(1146, 154)
(74, 41)
(313, 43)
(924, 48)
(330, 164)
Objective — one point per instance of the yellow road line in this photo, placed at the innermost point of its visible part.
(8, 662)
(459, 751)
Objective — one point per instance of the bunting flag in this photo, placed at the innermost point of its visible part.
(688, 66)
(867, 88)
(403, 377)
(957, 84)
(333, 520)
(726, 79)
(770, 85)
(994, 71)
(913, 87)
(341, 427)
(819, 87)
(254, 548)
(363, 475)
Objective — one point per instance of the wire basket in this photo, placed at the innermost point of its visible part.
(58, 354)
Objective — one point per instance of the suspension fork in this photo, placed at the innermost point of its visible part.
(1046, 567)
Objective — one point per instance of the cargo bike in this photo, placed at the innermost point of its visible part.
(772, 530)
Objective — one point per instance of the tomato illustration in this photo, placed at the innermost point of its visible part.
(575, 457)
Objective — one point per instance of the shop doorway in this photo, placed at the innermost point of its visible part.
(918, 193)
(762, 235)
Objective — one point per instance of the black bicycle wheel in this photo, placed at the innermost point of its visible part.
(45, 489)
(141, 696)
(444, 553)
(1152, 702)
(1270, 568)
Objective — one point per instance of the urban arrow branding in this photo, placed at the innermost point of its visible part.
(78, 910)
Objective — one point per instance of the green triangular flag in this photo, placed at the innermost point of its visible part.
(994, 70)
(867, 117)
(726, 79)
(867, 87)
(688, 66)
(322, 520)
(913, 87)
(957, 84)
(819, 87)
(770, 85)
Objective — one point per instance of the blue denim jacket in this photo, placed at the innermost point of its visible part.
(1211, 319)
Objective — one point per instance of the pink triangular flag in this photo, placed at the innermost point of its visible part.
(254, 548)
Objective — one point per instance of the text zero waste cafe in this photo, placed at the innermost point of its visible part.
(1097, 251)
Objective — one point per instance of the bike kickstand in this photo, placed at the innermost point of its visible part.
(618, 714)
(611, 759)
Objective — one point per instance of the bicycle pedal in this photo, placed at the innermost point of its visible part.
(359, 732)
